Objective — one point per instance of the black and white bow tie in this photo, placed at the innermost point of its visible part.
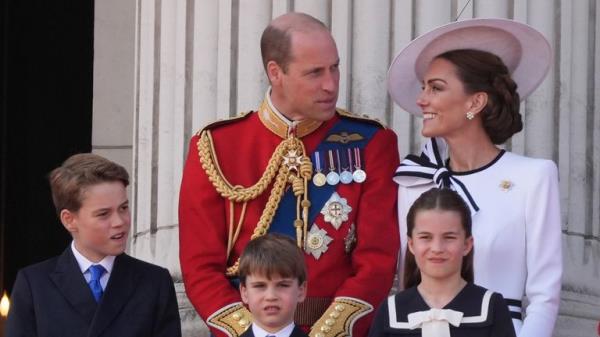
(430, 167)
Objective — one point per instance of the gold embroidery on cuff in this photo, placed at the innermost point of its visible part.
(340, 317)
(233, 319)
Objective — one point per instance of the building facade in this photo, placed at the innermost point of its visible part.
(163, 69)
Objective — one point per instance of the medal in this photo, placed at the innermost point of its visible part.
(336, 210)
(333, 178)
(359, 175)
(319, 178)
(345, 176)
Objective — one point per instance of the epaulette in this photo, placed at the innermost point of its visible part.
(212, 125)
(364, 118)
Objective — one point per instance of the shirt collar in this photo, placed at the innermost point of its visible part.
(280, 125)
(260, 332)
(107, 262)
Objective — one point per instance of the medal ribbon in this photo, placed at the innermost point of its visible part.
(357, 158)
(317, 161)
(350, 160)
(331, 163)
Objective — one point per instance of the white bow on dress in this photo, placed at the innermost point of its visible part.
(434, 322)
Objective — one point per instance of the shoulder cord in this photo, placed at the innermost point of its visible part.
(289, 173)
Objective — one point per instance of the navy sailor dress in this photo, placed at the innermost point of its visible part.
(477, 312)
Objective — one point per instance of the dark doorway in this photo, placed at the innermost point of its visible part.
(46, 104)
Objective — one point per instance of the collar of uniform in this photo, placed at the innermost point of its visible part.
(275, 121)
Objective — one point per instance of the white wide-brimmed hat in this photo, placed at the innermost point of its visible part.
(523, 49)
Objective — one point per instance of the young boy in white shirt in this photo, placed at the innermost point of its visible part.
(272, 276)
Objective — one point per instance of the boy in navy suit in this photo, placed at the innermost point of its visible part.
(93, 289)
(272, 282)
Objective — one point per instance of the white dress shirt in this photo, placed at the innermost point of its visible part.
(260, 332)
(84, 265)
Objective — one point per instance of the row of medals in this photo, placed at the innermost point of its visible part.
(351, 157)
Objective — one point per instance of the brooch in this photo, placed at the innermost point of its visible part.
(350, 239)
(336, 210)
(506, 185)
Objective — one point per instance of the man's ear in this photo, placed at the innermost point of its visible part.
(274, 72)
(69, 220)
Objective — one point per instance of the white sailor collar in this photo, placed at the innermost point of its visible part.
(473, 301)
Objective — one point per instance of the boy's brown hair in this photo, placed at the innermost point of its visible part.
(69, 181)
(272, 254)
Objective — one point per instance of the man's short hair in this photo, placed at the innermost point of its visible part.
(275, 43)
(69, 181)
(272, 254)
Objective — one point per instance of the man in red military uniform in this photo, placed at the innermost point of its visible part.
(300, 167)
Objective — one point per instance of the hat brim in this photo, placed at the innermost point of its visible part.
(523, 49)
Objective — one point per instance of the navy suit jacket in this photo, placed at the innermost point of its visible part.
(297, 332)
(52, 299)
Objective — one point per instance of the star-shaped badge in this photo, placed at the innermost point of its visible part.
(336, 210)
(317, 241)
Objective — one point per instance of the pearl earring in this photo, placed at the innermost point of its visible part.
(470, 115)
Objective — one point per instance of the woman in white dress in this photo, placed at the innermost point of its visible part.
(466, 80)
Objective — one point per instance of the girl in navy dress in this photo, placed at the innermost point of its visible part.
(440, 299)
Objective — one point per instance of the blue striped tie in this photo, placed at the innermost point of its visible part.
(96, 272)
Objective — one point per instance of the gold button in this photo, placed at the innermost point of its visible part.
(334, 314)
(325, 328)
(330, 321)
(340, 307)
(318, 334)
(243, 322)
(236, 316)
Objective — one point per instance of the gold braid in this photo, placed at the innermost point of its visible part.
(275, 169)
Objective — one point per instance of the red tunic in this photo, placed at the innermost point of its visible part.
(243, 148)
